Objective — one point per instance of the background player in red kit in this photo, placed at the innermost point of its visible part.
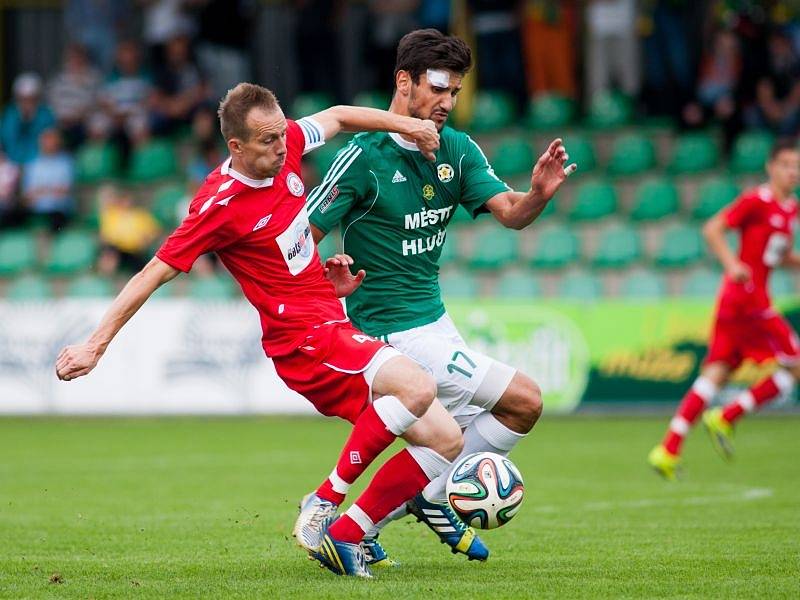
(746, 323)
(251, 212)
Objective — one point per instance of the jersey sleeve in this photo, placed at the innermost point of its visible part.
(313, 133)
(740, 211)
(478, 180)
(205, 229)
(346, 183)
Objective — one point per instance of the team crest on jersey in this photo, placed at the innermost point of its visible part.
(295, 184)
(445, 172)
(427, 192)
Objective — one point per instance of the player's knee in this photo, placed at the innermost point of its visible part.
(521, 405)
(418, 392)
(529, 403)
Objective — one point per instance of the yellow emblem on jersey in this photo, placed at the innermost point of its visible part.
(427, 192)
(445, 172)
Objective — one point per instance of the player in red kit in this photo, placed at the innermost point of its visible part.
(251, 212)
(746, 323)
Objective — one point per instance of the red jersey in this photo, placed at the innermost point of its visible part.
(261, 233)
(766, 229)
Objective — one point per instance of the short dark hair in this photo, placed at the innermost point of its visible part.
(237, 104)
(425, 49)
(782, 144)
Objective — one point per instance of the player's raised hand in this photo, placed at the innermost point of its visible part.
(337, 270)
(76, 361)
(550, 171)
(427, 138)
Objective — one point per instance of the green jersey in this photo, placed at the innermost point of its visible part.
(393, 206)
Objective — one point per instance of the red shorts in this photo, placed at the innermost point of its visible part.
(758, 338)
(334, 368)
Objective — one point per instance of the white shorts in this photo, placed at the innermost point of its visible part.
(468, 381)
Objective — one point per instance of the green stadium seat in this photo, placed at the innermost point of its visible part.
(550, 111)
(491, 111)
(713, 195)
(593, 200)
(555, 247)
(781, 283)
(619, 246)
(518, 284)
(167, 202)
(631, 155)
(29, 287)
(655, 199)
(154, 161)
(17, 252)
(681, 245)
(450, 251)
(212, 287)
(580, 286)
(702, 283)
(458, 285)
(581, 152)
(308, 104)
(513, 156)
(693, 153)
(495, 248)
(750, 152)
(643, 285)
(71, 251)
(609, 110)
(96, 162)
(90, 286)
(373, 99)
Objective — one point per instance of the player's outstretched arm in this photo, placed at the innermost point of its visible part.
(714, 233)
(78, 360)
(519, 209)
(360, 118)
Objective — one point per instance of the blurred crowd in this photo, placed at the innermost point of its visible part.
(134, 71)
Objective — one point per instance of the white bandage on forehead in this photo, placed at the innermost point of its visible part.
(438, 77)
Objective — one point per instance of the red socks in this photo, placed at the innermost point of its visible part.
(693, 403)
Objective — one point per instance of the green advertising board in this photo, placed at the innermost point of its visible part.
(601, 352)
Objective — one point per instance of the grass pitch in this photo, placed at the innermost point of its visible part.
(191, 508)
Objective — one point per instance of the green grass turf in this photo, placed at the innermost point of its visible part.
(194, 508)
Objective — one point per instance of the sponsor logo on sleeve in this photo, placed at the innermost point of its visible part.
(332, 195)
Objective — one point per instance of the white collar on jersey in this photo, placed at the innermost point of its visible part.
(253, 183)
(402, 143)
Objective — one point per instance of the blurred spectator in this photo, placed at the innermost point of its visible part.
(499, 46)
(387, 22)
(127, 232)
(549, 39)
(778, 91)
(96, 25)
(127, 90)
(25, 119)
(164, 20)
(612, 48)
(10, 211)
(72, 93)
(315, 36)
(48, 180)
(179, 87)
(208, 149)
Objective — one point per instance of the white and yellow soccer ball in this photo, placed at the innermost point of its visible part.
(485, 490)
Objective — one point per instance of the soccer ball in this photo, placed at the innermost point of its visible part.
(485, 490)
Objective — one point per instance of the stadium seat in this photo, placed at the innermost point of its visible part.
(555, 247)
(96, 162)
(494, 249)
(713, 195)
(681, 245)
(308, 104)
(609, 110)
(167, 203)
(513, 156)
(212, 287)
(29, 287)
(550, 111)
(693, 153)
(643, 285)
(17, 252)
(518, 284)
(702, 283)
(153, 161)
(593, 200)
(580, 286)
(781, 283)
(373, 99)
(458, 285)
(619, 246)
(581, 152)
(750, 152)
(655, 199)
(90, 286)
(71, 251)
(631, 155)
(491, 111)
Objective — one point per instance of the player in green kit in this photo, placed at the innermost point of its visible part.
(393, 205)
